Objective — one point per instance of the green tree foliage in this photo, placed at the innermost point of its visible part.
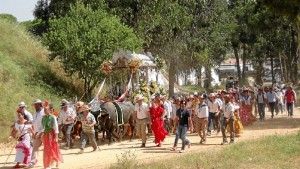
(291, 10)
(84, 38)
(45, 9)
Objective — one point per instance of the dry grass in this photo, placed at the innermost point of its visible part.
(269, 152)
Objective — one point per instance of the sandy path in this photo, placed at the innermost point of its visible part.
(108, 155)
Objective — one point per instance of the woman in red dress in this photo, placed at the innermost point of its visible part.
(157, 114)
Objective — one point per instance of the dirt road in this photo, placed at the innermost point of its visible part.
(108, 155)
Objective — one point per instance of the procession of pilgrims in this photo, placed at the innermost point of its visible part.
(222, 113)
(225, 112)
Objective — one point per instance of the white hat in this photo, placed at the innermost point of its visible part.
(22, 104)
(212, 95)
(85, 108)
(37, 101)
(139, 97)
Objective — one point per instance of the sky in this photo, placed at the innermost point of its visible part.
(21, 9)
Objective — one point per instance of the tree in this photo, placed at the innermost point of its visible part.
(290, 9)
(45, 9)
(162, 25)
(84, 38)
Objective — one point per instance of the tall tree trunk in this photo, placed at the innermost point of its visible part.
(295, 54)
(281, 66)
(199, 75)
(244, 64)
(85, 89)
(259, 72)
(185, 78)
(272, 68)
(171, 77)
(237, 58)
(292, 63)
(207, 81)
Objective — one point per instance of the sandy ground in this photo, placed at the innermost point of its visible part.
(108, 155)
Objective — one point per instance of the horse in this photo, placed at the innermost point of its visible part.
(108, 119)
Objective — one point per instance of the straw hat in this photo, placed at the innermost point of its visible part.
(139, 97)
(22, 104)
(212, 95)
(37, 101)
(226, 96)
(85, 108)
(79, 104)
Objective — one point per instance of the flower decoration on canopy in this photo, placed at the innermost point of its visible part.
(106, 67)
(134, 63)
(153, 87)
(160, 62)
(143, 90)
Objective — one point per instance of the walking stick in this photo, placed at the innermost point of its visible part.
(8, 156)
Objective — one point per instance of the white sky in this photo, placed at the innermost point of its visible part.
(21, 9)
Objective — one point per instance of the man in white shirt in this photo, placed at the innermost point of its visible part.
(272, 99)
(261, 101)
(201, 112)
(66, 120)
(280, 98)
(214, 109)
(141, 111)
(38, 129)
(228, 119)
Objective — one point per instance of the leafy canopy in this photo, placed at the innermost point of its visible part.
(84, 38)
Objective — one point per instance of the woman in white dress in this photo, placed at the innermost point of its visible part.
(23, 129)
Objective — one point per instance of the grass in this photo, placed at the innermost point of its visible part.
(269, 152)
(25, 74)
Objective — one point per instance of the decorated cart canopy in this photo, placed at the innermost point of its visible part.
(137, 71)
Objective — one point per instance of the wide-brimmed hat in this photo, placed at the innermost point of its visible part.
(85, 108)
(275, 89)
(79, 104)
(22, 104)
(37, 101)
(201, 96)
(64, 104)
(212, 95)
(245, 89)
(139, 97)
(227, 96)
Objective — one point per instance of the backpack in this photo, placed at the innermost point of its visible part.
(290, 96)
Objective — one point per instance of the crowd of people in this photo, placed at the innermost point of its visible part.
(221, 111)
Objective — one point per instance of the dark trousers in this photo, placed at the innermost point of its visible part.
(261, 110)
(231, 128)
(290, 108)
(272, 108)
(213, 121)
